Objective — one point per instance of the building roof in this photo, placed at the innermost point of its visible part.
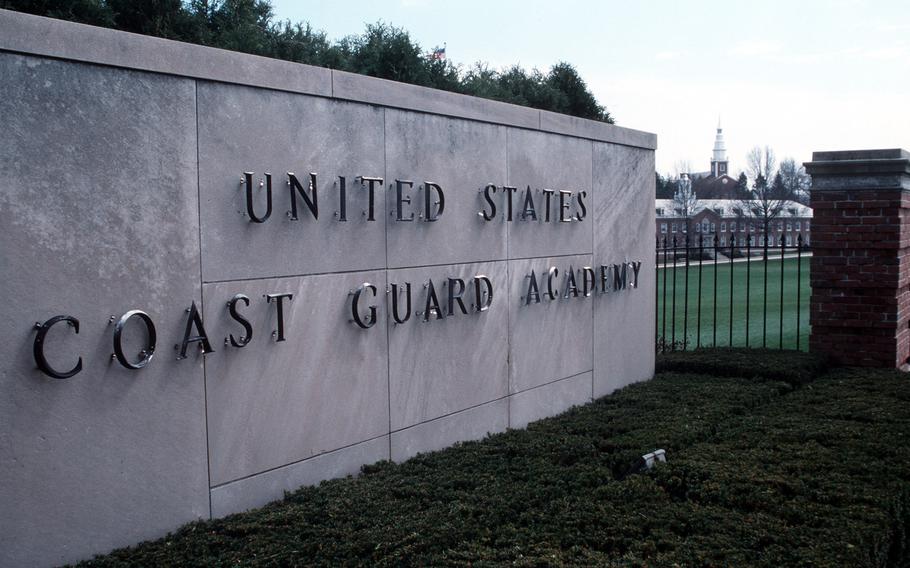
(666, 208)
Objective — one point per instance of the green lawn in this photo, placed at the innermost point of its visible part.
(755, 307)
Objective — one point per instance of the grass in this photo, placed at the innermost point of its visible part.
(748, 282)
(772, 461)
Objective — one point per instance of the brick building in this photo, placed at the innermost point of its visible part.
(732, 219)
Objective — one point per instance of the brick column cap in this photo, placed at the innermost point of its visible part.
(860, 169)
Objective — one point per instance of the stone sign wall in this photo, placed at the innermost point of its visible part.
(226, 276)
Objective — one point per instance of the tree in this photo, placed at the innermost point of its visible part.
(767, 199)
(741, 190)
(578, 99)
(383, 50)
(760, 162)
(796, 182)
(664, 186)
(685, 201)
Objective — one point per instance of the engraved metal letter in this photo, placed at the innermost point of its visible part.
(371, 183)
(479, 295)
(247, 328)
(489, 199)
(147, 353)
(429, 214)
(400, 200)
(533, 290)
(38, 349)
(456, 297)
(279, 307)
(551, 276)
(571, 284)
(407, 292)
(250, 211)
(310, 201)
(636, 266)
(432, 304)
(194, 319)
(355, 301)
(587, 278)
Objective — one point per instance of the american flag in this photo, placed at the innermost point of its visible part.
(439, 54)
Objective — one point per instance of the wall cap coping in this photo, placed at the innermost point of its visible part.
(37, 35)
(860, 169)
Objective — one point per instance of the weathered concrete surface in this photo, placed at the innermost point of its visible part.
(258, 490)
(624, 321)
(550, 340)
(96, 220)
(471, 424)
(443, 366)
(299, 135)
(549, 399)
(324, 387)
(548, 161)
(461, 157)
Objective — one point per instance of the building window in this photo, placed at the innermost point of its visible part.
(751, 227)
(663, 228)
(673, 227)
(807, 226)
(742, 225)
(797, 226)
(723, 241)
(789, 226)
(660, 211)
(780, 225)
(770, 240)
(789, 240)
(723, 226)
(713, 227)
(697, 227)
(742, 241)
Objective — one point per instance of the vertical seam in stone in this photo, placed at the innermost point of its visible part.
(508, 304)
(205, 397)
(593, 253)
(388, 335)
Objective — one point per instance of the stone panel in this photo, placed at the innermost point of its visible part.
(549, 340)
(624, 321)
(471, 424)
(299, 134)
(272, 402)
(549, 399)
(548, 161)
(443, 366)
(462, 157)
(97, 217)
(258, 490)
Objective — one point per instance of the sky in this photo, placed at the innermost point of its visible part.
(798, 76)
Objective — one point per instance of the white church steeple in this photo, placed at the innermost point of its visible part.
(719, 158)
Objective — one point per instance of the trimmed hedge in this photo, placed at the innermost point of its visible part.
(794, 367)
(759, 473)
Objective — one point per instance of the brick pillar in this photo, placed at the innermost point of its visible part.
(860, 307)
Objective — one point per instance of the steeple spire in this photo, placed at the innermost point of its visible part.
(719, 157)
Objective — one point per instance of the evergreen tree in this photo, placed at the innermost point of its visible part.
(742, 186)
(383, 50)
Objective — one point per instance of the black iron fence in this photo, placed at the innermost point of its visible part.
(750, 293)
